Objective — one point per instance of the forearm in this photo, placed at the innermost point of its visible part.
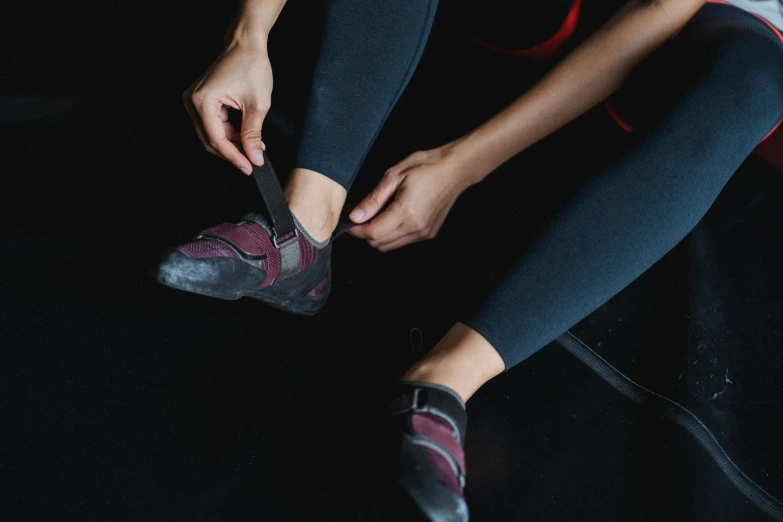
(254, 21)
(583, 79)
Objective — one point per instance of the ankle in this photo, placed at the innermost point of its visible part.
(316, 201)
(430, 371)
(319, 223)
(463, 361)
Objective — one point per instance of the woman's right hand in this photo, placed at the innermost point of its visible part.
(240, 78)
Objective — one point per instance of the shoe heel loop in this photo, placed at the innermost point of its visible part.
(422, 399)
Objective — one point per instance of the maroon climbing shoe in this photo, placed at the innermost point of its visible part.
(431, 422)
(272, 260)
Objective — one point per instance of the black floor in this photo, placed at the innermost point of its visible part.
(124, 400)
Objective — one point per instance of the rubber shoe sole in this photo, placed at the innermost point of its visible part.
(231, 279)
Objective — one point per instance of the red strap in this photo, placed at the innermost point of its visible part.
(549, 48)
(616, 117)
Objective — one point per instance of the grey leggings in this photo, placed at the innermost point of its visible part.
(722, 92)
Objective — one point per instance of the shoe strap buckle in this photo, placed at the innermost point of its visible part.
(416, 403)
(292, 236)
(408, 402)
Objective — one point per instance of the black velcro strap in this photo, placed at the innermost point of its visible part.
(342, 227)
(272, 193)
(427, 398)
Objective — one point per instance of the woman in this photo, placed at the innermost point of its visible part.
(723, 95)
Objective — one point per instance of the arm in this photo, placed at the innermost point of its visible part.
(240, 78)
(425, 185)
(583, 79)
(254, 20)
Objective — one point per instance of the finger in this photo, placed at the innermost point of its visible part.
(374, 201)
(408, 239)
(231, 133)
(388, 226)
(374, 229)
(414, 159)
(358, 230)
(216, 135)
(196, 120)
(416, 235)
(252, 121)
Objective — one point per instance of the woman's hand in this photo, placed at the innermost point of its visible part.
(424, 187)
(240, 78)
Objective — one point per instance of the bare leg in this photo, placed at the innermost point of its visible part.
(463, 361)
(316, 201)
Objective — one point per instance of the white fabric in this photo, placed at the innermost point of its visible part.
(769, 9)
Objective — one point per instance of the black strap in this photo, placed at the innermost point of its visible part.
(280, 217)
(342, 227)
(272, 193)
(429, 398)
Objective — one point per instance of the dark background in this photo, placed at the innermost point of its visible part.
(124, 400)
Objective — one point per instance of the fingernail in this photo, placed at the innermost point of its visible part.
(263, 145)
(247, 170)
(258, 157)
(357, 215)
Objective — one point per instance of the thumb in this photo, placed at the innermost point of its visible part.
(252, 120)
(374, 201)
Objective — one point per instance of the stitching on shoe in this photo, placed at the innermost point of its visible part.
(242, 255)
(435, 446)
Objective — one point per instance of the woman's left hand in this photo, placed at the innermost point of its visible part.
(424, 187)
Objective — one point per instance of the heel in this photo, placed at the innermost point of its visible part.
(293, 294)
